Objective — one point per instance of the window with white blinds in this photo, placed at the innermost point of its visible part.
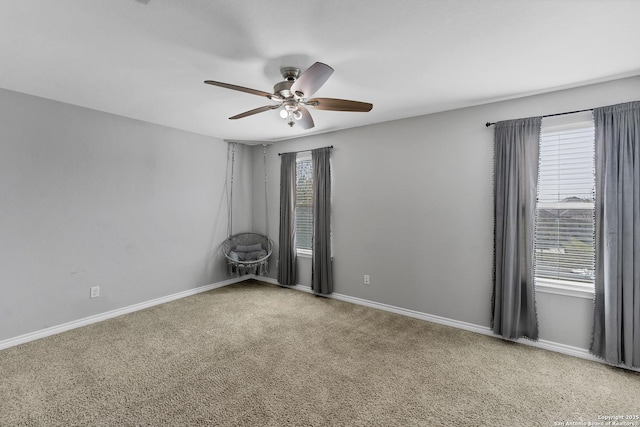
(304, 202)
(564, 234)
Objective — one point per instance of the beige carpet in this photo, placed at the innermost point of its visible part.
(258, 355)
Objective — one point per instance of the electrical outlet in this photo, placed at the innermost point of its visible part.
(95, 291)
(367, 280)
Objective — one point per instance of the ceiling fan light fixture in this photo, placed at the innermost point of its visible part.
(284, 113)
(297, 115)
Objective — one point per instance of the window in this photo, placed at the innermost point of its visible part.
(304, 204)
(564, 234)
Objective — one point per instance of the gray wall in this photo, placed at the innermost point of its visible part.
(412, 207)
(93, 199)
(88, 198)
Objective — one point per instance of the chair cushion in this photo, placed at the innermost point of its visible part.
(252, 256)
(248, 248)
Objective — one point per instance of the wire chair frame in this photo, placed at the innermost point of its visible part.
(259, 266)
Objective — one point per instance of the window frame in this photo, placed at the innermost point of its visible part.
(300, 157)
(563, 286)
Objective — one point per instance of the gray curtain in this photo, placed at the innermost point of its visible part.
(287, 234)
(515, 184)
(322, 274)
(616, 329)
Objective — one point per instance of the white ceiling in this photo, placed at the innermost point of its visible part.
(147, 59)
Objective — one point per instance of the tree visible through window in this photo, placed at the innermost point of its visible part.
(564, 235)
(304, 203)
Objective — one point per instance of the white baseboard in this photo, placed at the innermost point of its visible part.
(544, 344)
(11, 342)
(569, 350)
(391, 308)
(415, 314)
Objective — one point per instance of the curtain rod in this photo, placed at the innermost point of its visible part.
(303, 151)
(552, 115)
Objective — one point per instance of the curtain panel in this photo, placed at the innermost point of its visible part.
(322, 272)
(287, 234)
(515, 191)
(616, 327)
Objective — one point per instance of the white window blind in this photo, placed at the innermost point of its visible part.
(564, 235)
(304, 203)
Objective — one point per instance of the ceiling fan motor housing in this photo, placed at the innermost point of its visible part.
(290, 75)
(283, 89)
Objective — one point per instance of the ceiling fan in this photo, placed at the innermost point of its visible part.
(292, 95)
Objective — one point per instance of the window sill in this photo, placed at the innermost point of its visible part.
(565, 287)
(304, 253)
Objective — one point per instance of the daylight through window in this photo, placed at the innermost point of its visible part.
(564, 236)
(304, 203)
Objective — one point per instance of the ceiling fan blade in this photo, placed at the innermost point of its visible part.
(241, 89)
(306, 122)
(311, 80)
(254, 111)
(334, 104)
